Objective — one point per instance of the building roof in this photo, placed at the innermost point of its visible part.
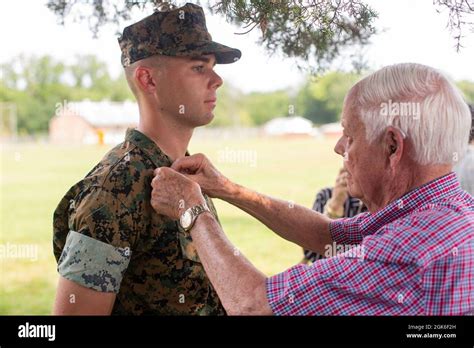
(105, 113)
(288, 125)
(331, 128)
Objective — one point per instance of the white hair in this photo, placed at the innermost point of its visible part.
(422, 103)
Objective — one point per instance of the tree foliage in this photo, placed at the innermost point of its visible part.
(37, 84)
(321, 99)
(262, 107)
(460, 17)
(229, 111)
(310, 30)
(314, 32)
(467, 87)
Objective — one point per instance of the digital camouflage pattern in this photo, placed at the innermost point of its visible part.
(98, 265)
(108, 237)
(179, 32)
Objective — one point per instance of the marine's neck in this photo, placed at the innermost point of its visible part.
(171, 137)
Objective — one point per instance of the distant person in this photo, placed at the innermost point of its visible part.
(335, 203)
(465, 168)
(115, 254)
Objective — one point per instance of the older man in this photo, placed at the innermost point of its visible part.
(413, 252)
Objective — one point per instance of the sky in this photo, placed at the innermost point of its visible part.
(412, 31)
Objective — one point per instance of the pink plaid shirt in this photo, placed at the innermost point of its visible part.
(413, 257)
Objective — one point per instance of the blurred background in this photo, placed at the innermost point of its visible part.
(64, 103)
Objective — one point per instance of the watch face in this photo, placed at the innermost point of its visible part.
(186, 219)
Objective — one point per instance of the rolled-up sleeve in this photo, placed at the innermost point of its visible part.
(92, 263)
(347, 230)
(98, 247)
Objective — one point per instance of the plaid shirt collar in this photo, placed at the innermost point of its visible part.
(429, 193)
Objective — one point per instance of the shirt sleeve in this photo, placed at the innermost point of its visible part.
(98, 247)
(345, 286)
(347, 230)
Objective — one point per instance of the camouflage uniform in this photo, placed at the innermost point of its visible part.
(107, 237)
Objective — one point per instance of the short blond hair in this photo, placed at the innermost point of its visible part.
(152, 62)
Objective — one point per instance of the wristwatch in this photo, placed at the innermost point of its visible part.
(187, 219)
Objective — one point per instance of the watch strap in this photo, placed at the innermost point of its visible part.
(195, 212)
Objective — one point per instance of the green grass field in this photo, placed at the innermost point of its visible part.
(35, 176)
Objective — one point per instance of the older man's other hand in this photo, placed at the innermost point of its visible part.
(199, 169)
(173, 193)
(340, 193)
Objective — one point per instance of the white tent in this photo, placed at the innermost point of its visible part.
(295, 125)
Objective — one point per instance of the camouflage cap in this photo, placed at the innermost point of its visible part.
(179, 32)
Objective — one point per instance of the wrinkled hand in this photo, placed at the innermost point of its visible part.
(173, 193)
(199, 169)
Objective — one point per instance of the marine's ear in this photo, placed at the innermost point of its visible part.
(144, 79)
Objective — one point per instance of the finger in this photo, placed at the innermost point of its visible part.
(159, 175)
(164, 172)
(155, 183)
(188, 164)
(197, 178)
(157, 172)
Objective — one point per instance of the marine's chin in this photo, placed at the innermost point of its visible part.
(197, 120)
(206, 119)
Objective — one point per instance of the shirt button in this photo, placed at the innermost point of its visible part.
(455, 251)
(400, 298)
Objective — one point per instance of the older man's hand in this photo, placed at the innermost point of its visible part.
(173, 193)
(199, 169)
